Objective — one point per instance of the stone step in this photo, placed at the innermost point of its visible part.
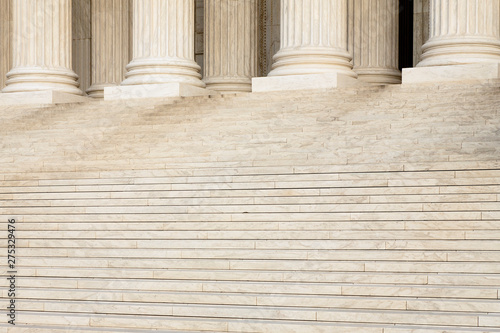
(242, 173)
(82, 300)
(142, 191)
(353, 210)
(270, 265)
(272, 226)
(398, 244)
(92, 215)
(323, 140)
(167, 315)
(381, 208)
(285, 166)
(340, 255)
(258, 184)
(167, 176)
(247, 326)
(267, 129)
(211, 199)
(317, 294)
(275, 135)
(262, 234)
(405, 284)
(248, 173)
(162, 176)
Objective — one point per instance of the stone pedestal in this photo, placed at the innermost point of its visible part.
(375, 40)
(303, 82)
(313, 41)
(231, 48)
(42, 97)
(42, 48)
(110, 44)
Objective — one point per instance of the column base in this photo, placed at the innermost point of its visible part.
(485, 71)
(378, 75)
(40, 97)
(154, 91)
(229, 85)
(303, 82)
(97, 90)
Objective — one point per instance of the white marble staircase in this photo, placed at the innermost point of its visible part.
(352, 210)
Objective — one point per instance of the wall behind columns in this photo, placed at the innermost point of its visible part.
(82, 34)
(5, 40)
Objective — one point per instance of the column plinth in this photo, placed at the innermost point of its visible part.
(462, 32)
(163, 44)
(42, 48)
(231, 50)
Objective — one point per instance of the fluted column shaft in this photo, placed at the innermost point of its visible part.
(231, 50)
(375, 53)
(42, 47)
(5, 32)
(313, 38)
(163, 43)
(110, 44)
(462, 32)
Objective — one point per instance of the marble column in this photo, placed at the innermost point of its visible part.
(163, 44)
(231, 45)
(42, 47)
(375, 34)
(110, 44)
(5, 37)
(82, 37)
(313, 38)
(462, 32)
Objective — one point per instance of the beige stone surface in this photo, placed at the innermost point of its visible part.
(373, 209)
